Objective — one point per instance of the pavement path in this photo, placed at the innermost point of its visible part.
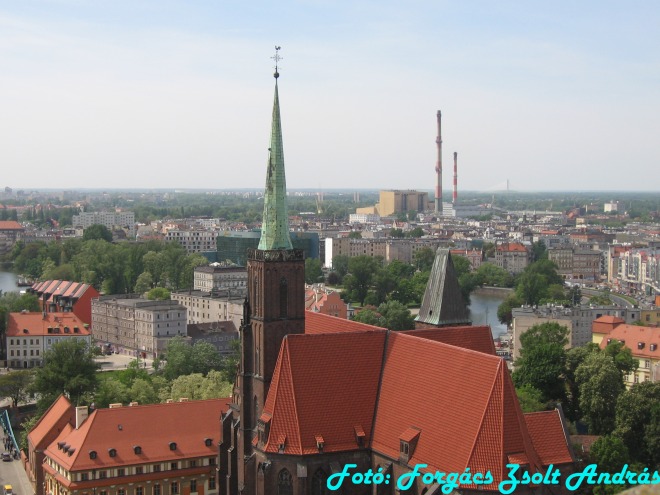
(12, 473)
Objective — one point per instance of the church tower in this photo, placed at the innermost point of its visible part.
(275, 307)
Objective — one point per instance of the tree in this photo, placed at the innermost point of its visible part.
(111, 391)
(423, 259)
(205, 358)
(637, 420)
(355, 234)
(358, 281)
(68, 368)
(143, 392)
(97, 231)
(542, 358)
(340, 264)
(397, 233)
(504, 309)
(574, 358)
(313, 271)
(15, 385)
(610, 454)
(144, 283)
(417, 232)
(622, 356)
(369, 316)
(158, 294)
(178, 358)
(600, 384)
(396, 316)
(574, 295)
(530, 399)
(539, 251)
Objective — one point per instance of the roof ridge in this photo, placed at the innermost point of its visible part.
(483, 414)
(380, 383)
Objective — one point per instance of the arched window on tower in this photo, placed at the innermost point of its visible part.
(284, 483)
(319, 483)
(284, 298)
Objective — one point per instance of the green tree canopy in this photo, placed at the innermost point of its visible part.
(600, 384)
(313, 271)
(638, 420)
(97, 231)
(542, 360)
(68, 368)
(15, 385)
(158, 294)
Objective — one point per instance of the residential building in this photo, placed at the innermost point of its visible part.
(220, 334)
(512, 257)
(193, 240)
(474, 256)
(158, 449)
(109, 219)
(209, 307)
(10, 232)
(387, 248)
(129, 324)
(576, 264)
(30, 335)
(220, 276)
(233, 245)
(320, 299)
(63, 296)
(643, 342)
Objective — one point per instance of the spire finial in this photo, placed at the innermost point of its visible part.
(277, 58)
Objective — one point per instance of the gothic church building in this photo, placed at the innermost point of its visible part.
(314, 393)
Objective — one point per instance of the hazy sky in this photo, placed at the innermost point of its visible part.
(550, 95)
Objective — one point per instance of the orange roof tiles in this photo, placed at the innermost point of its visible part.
(10, 225)
(511, 247)
(549, 437)
(605, 324)
(37, 324)
(643, 342)
(306, 399)
(478, 338)
(152, 427)
(316, 323)
(58, 409)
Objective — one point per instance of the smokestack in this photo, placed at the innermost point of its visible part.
(455, 196)
(438, 167)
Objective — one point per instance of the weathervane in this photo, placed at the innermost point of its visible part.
(277, 58)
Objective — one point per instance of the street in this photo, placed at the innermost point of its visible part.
(12, 473)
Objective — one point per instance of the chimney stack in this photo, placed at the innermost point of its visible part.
(438, 168)
(455, 196)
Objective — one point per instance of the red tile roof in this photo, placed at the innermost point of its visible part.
(316, 323)
(57, 410)
(38, 324)
(605, 324)
(511, 247)
(10, 225)
(152, 427)
(309, 395)
(458, 397)
(635, 337)
(549, 437)
(478, 338)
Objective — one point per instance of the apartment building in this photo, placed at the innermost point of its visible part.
(193, 240)
(389, 249)
(109, 219)
(219, 276)
(131, 325)
(512, 257)
(30, 335)
(158, 449)
(209, 307)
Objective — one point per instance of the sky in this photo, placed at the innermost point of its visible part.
(559, 95)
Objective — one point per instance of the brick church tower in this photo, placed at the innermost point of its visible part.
(274, 308)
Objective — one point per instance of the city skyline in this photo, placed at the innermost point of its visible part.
(168, 95)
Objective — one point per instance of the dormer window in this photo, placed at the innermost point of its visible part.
(92, 454)
(112, 452)
(407, 443)
(640, 345)
(172, 445)
(137, 449)
(359, 435)
(281, 443)
(653, 347)
(208, 442)
(319, 442)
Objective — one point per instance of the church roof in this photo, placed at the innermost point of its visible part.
(316, 323)
(396, 385)
(275, 226)
(549, 437)
(479, 338)
(443, 303)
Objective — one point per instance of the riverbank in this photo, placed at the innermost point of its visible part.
(493, 291)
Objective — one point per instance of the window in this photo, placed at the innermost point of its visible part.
(174, 488)
(319, 486)
(121, 491)
(139, 490)
(84, 476)
(192, 464)
(211, 461)
(156, 490)
(174, 465)
(193, 486)
(103, 475)
(284, 483)
(139, 470)
(156, 468)
(121, 472)
(647, 363)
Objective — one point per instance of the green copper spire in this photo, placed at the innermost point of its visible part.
(275, 227)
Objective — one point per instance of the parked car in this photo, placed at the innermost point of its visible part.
(6, 457)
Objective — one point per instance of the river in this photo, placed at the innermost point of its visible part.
(8, 282)
(483, 311)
